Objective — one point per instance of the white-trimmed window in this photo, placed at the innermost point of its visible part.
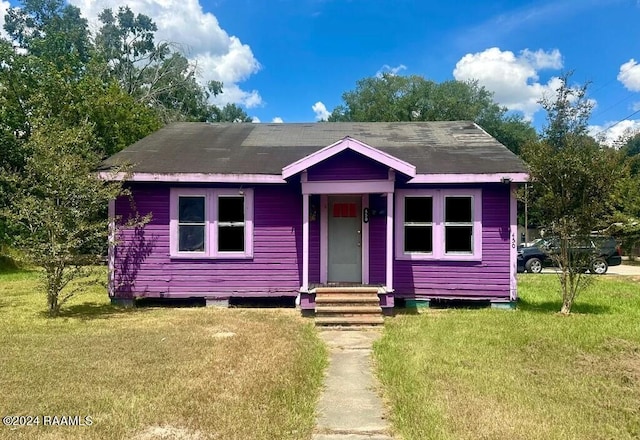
(443, 224)
(211, 223)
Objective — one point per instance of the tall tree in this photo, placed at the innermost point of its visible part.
(412, 98)
(154, 74)
(573, 180)
(52, 77)
(54, 72)
(52, 31)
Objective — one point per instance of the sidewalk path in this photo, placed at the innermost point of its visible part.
(350, 407)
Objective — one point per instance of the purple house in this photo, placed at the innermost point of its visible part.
(416, 211)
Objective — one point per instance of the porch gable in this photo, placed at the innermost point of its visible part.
(348, 143)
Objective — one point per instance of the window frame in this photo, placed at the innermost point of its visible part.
(212, 223)
(439, 227)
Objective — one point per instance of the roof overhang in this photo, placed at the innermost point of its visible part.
(471, 178)
(191, 177)
(351, 144)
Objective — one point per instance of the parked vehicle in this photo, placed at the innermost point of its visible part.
(599, 253)
(534, 242)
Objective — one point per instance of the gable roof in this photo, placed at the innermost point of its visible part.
(436, 147)
(348, 144)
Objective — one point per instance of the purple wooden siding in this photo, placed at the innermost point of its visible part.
(348, 165)
(486, 279)
(143, 266)
(377, 250)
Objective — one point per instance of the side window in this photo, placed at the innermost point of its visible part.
(211, 223)
(438, 224)
(191, 223)
(458, 224)
(231, 224)
(418, 224)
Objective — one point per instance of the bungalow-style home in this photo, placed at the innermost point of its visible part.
(413, 210)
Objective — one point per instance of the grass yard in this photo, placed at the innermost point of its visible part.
(155, 373)
(526, 374)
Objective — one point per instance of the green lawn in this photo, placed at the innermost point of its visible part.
(155, 373)
(525, 374)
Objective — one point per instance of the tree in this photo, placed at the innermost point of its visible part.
(35, 86)
(413, 98)
(573, 180)
(625, 222)
(57, 205)
(230, 113)
(385, 98)
(154, 74)
(54, 73)
(52, 31)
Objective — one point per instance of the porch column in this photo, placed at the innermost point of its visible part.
(111, 249)
(305, 242)
(513, 240)
(389, 265)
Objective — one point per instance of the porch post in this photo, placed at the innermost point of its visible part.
(513, 240)
(305, 242)
(389, 265)
(111, 251)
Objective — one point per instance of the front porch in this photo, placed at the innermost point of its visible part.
(347, 304)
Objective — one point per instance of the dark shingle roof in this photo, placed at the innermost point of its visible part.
(432, 147)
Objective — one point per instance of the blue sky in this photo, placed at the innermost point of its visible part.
(281, 59)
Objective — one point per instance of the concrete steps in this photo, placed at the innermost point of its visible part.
(352, 307)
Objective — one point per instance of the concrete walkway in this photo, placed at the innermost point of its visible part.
(350, 407)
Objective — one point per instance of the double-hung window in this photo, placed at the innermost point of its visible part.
(211, 223)
(442, 224)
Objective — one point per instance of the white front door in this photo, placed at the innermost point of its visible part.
(345, 239)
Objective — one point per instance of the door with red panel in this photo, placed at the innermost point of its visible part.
(345, 239)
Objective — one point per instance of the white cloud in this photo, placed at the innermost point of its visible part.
(543, 60)
(4, 6)
(321, 111)
(255, 120)
(615, 135)
(219, 56)
(390, 70)
(277, 120)
(629, 75)
(512, 78)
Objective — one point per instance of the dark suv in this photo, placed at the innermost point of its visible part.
(602, 252)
